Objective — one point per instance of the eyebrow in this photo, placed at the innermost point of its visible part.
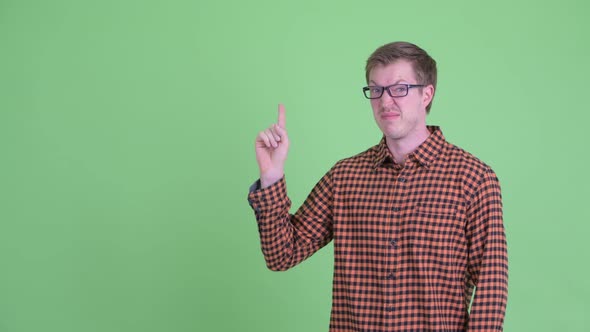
(396, 82)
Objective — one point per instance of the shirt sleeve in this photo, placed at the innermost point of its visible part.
(487, 269)
(288, 239)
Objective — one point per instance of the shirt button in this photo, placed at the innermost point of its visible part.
(390, 276)
(389, 309)
(396, 209)
(402, 179)
(393, 243)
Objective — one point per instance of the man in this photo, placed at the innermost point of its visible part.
(416, 221)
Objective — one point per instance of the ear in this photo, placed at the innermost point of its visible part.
(427, 94)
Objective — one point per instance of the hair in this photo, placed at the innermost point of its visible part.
(424, 66)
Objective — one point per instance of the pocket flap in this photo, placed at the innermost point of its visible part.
(436, 209)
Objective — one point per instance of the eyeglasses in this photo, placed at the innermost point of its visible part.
(394, 90)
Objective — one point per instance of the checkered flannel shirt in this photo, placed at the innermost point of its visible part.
(412, 242)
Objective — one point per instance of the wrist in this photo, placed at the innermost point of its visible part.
(268, 179)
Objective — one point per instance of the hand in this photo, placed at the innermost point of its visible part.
(272, 146)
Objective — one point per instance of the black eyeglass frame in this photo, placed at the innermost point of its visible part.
(383, 88)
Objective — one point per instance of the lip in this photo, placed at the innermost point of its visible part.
(389, 115)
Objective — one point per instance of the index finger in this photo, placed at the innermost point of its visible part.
(282, 122)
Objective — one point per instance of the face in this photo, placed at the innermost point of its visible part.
(401, 117)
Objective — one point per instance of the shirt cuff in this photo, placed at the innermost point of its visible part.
(262, 199)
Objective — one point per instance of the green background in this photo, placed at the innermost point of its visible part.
(127, 148)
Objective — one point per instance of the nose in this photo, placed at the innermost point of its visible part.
(386, 100)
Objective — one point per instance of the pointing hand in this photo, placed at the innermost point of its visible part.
(272, 146)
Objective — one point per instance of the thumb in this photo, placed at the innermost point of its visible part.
(282, 122)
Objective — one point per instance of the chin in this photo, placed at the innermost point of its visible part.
(394, 136)
(392, 132)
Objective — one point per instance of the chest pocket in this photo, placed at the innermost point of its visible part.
(433, 228)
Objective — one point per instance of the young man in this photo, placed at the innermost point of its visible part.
(416, 221)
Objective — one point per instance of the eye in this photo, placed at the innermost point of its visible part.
(399, 89)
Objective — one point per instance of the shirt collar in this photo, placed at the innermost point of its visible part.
(424, 154)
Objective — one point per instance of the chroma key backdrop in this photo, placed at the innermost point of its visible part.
(127, 149)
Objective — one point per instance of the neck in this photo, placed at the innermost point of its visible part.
(401, 147)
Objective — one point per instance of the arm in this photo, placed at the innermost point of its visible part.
(487, 268)
(287, 239)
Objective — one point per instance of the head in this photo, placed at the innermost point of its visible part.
(423, 65)
(402, 63)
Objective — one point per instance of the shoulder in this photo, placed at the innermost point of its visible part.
(456, 154)
(473, 171)
(362, 160)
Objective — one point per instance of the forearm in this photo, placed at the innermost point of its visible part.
(489, 304)
(276, 231)
(286, 239)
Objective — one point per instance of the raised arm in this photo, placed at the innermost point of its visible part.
(287, 239)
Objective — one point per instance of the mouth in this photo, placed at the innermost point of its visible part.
(389, 115)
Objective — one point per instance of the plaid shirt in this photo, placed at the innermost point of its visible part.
(411, 242)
